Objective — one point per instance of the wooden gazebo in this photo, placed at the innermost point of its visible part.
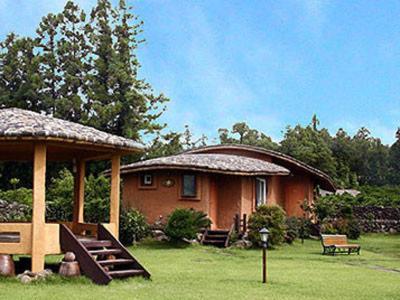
(29, 136)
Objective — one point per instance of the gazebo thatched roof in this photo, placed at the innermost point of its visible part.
(27, 125)
(212, 163)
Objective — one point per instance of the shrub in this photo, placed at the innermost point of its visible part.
(97, 199)
(353, 229)
(60, 196)
(349, 227)
(271, 217)
(20, 195)
(292, 229)
(328, 228)
(132, 227)
(185, 224)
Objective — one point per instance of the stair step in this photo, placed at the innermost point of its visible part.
(97, 243)
(118, 261)
(217, 236)
(213, 242)
(218, 232)
(105, 251)
(125, 273)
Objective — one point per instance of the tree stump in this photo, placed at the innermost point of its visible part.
(69, 267)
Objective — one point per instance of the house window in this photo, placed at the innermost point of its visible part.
(146, 179)
(261, 191)
(189, 187)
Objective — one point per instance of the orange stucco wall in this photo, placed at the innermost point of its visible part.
(248, 202)
(297, 189)
(287, 191)
(229, 199)
(161, 200)
(220, 196)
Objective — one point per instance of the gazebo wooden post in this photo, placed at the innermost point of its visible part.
(79, 192)
(39, 208)
(115, 192)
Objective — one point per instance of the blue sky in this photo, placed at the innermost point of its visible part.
(269, 63)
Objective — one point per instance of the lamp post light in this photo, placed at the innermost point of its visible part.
(264, 240)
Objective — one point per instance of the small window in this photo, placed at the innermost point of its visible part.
(146, 179)
(261, 191)
(189, 187)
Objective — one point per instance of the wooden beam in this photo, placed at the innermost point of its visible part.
(39, 208)
(115, 192)
(98, 157)
(79, 192)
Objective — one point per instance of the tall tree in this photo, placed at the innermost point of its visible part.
(343, 151)
(310, 146)
(72, 52)
(20, 82)
(394, 160)
(124, 104)
(247, 136)
(48, 32)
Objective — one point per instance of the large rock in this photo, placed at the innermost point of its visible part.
(29, 276)
(242, 244)
(159, 235)
(10, 211)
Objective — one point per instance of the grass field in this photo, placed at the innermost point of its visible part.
(196, 272)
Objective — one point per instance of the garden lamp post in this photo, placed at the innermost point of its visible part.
(264, 240)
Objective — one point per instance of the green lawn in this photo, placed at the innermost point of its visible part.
(197, 272)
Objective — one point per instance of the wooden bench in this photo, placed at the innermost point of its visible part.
(335, 243)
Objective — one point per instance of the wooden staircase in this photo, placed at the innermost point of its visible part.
(218, 238)
(102, 258)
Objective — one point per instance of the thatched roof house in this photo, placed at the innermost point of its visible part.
(221, 180)
(211, 163)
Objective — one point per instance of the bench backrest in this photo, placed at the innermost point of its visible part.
(333, 239)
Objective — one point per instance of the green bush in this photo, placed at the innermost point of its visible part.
(349, 227)
(132, 227)
(20, 195)
(185, 224)
(353, 229)
(292, 229)
(271, 217)
(97, 199)
(60, 197)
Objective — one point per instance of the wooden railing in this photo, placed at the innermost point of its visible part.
(89, 266)
(240, 224)
(24, 244)
(104, 234)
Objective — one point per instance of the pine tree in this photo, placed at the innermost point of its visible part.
(20, 82)
(124, 104)
(48, 32)
(72, 53)
(394, 160)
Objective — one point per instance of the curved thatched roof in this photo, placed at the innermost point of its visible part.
(212, 163)
(23, 124)
(286, 161)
